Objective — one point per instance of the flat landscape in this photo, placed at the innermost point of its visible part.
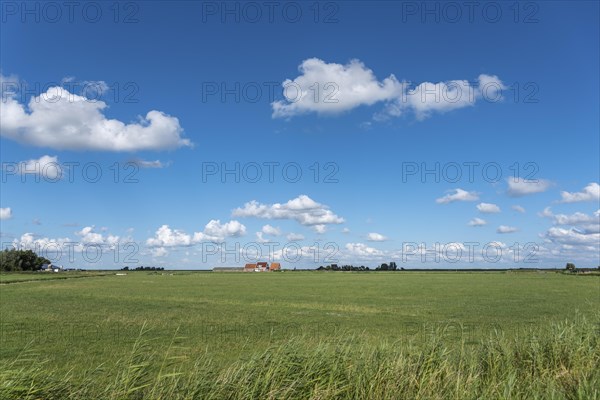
(300, 200)
(73, 326)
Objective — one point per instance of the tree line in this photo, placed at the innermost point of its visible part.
(383, 267)
(21, 260)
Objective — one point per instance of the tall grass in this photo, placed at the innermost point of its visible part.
(559, 362)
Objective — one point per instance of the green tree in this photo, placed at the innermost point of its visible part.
(21, 260)
(570, 267)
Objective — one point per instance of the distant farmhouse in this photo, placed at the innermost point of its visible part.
(258, 267)
(51, 268)
(262, 267)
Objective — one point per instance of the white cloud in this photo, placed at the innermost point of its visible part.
(62, 120)
(267, 230)
(330, 88)
(340, 88)
(506, 229)
(270, 230)
(150, 164)
(575, 236)
(321, 228)
(295, 237)
(585, 223)
(301, 209)
(589, 193)
(167, 237)
(518, 208)
(9, 85)
(260, 238)
(47, 167)
(89, 236)
(345, 230)
(376, 237)
(488, 208)
(522, 187)
(5, 213)
(362, 250)
(546, 213)
(442, 97)
(577, 218)
(41, 245)
(477, 222)
(159, 252)
(214, 231)
(572, 237)
(458, 195)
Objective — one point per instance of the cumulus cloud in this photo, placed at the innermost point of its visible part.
(267, 230)
(158, 252)
(441, 97)
(448, 252)
(477, 222)
(488, 208)
(295, 237)
(338, 88)
(302, 209)
(330, 88)
(167, 237)
(214, 231)
(376, 237)
(55, 248)
(46, 167)
(584, 223)
(506, 229)
(41, 245)
(518, 208)
(361, 250)
(458, 195)
(576, 235)
(62, 120)
(522, 187)
(5, 213)
(589, 193)
(88, 235)
(321, 228)
(270, 230)
(572, 237)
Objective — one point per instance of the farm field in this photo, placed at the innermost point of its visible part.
(7, 277)
(76, 325)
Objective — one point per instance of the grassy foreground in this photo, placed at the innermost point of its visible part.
(302, 335)
(563, 363)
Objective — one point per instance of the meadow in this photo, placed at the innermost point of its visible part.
(301, 335)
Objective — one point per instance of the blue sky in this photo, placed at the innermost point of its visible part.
(362, 92)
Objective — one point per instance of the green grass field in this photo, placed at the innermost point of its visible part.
(40, 276)
(232, 321)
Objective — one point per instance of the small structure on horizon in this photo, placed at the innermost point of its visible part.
(262, 267)
(51, 268)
